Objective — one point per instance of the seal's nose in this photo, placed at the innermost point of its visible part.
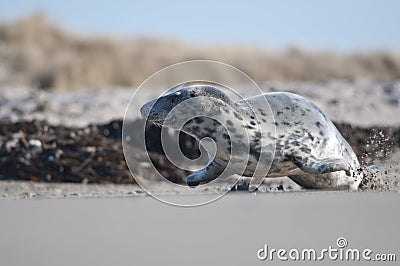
(145, 110)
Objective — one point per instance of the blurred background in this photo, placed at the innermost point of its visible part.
(74, 44)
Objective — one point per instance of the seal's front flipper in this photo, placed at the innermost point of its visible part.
(312, 165)
(211, 172)
(193, 180)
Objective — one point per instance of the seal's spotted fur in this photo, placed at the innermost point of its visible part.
(308, 147)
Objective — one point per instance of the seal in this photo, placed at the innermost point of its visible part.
(287, 135)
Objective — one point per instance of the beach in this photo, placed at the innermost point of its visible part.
(141, 230)
(68, 198)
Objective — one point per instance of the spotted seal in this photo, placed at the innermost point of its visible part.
(300, 140)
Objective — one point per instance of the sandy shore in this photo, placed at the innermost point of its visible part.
(230, 231)
(30, 190)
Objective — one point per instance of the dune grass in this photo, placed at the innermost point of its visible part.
(35, 52)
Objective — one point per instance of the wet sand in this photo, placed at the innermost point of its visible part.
(230, 231)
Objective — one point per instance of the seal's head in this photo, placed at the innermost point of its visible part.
(189, 98)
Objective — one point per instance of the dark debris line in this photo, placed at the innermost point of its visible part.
(37, 151)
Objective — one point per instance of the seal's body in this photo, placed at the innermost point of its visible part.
(279, 134)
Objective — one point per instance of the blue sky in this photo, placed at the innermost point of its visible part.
(341, 25)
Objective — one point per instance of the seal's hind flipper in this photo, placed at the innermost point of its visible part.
(312, 165)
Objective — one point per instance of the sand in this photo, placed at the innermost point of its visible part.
(362, 103)
(230, 231)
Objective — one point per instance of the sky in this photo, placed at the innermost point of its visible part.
(342, 25)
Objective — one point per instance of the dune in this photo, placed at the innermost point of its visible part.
(36, 52)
